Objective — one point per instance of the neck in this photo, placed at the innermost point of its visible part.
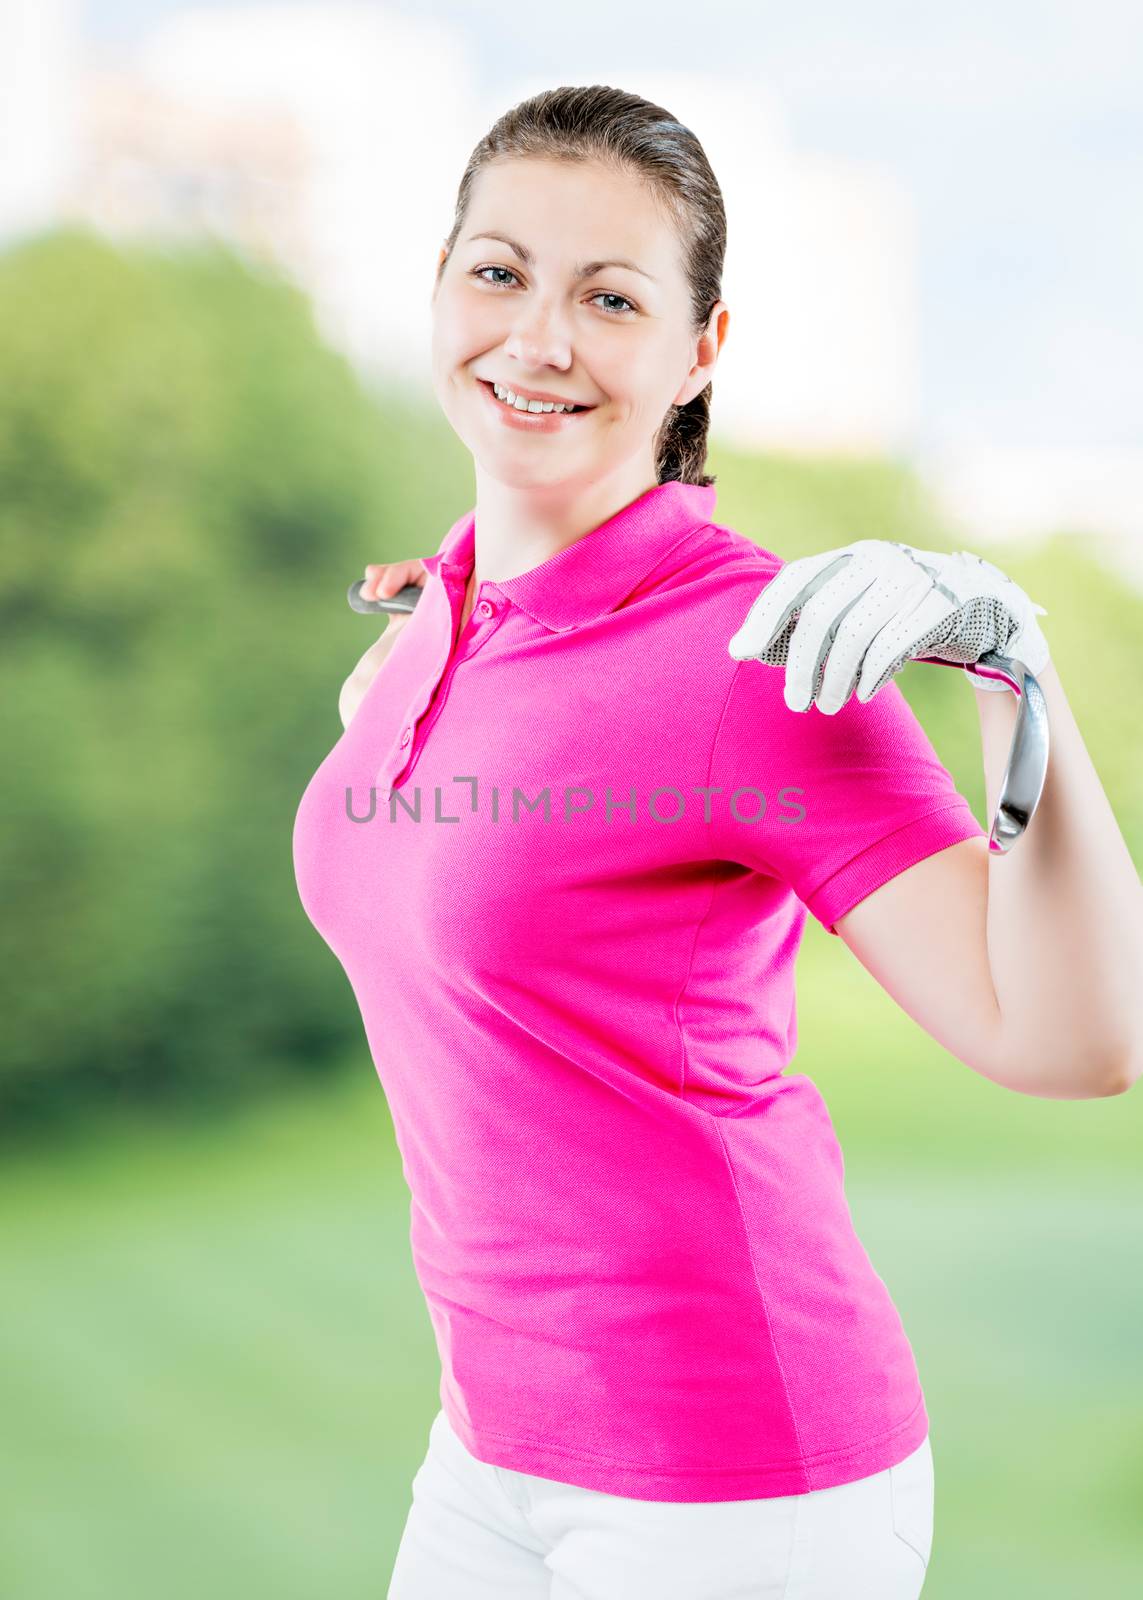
(519, 529)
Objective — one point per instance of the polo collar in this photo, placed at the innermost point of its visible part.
(596, 573)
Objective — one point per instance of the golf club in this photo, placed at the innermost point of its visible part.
(1027, 767)
(400, 603)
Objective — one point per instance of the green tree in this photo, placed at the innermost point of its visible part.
(189, 477)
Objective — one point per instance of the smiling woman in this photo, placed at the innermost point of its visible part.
(667, 1365)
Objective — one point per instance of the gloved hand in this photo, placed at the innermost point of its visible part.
(871, 606)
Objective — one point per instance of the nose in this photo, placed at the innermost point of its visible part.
(539, 339)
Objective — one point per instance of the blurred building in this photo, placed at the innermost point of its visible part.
(42, 65)
(150, 164)
(379, 113)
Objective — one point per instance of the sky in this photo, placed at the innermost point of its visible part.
(1016, 129)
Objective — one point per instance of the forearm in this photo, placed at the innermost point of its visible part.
(1065, 919)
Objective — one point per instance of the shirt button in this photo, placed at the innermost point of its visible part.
(484, 609)
(405, 737)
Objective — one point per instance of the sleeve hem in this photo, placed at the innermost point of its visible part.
(949, 823)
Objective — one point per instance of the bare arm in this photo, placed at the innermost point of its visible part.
(1026, 966)
(1065, 915)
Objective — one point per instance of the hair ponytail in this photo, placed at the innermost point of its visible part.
(681, 444)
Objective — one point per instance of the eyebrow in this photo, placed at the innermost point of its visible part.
(586, 269)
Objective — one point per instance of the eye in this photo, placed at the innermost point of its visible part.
(601, 294)
(478, 272)
(605, 294)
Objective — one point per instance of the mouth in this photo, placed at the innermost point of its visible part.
(529, 418)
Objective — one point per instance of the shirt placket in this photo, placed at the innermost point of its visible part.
(425, 708)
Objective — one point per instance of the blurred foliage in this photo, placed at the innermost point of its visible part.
(189, 478)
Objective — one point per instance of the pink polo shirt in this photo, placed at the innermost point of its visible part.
(569, 912)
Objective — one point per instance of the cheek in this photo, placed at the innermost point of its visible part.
(466, 324)
(448, 330)
(631, 371)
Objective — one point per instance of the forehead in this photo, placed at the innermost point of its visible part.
(564, 210)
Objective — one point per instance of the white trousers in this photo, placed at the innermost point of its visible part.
(479, 1532)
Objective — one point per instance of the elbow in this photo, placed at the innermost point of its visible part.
(1116, 1085)
(1121, 1073)
(1124, 1058)
(1074, 1077)
(1120, 1086)
(1117, 1068)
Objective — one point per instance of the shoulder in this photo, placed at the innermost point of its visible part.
(710, 580)
(724, 569)
(713, 566)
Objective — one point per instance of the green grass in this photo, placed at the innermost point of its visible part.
(219, 1371)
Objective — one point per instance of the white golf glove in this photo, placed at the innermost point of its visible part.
(855, 615)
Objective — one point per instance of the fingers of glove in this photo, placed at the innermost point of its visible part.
(875, 633)
(921, 611)
(822, 617)
(788, 591)
(889, 609)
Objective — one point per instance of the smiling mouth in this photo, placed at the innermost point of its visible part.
(526, 410)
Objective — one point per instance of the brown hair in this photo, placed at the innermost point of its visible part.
(603, 124)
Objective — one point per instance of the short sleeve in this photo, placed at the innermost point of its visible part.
(834, 806)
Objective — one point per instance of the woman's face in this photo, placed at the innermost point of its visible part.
(615, 339)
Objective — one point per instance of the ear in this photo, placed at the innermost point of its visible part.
(707, 348)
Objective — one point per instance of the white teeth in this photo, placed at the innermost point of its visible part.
(518, 401)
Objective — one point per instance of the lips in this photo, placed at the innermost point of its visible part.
(545, 399)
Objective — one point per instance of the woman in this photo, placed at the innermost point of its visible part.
(565, 849)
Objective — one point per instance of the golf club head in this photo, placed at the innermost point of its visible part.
(401, 603)
(1027, 767)
(1023, 781)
